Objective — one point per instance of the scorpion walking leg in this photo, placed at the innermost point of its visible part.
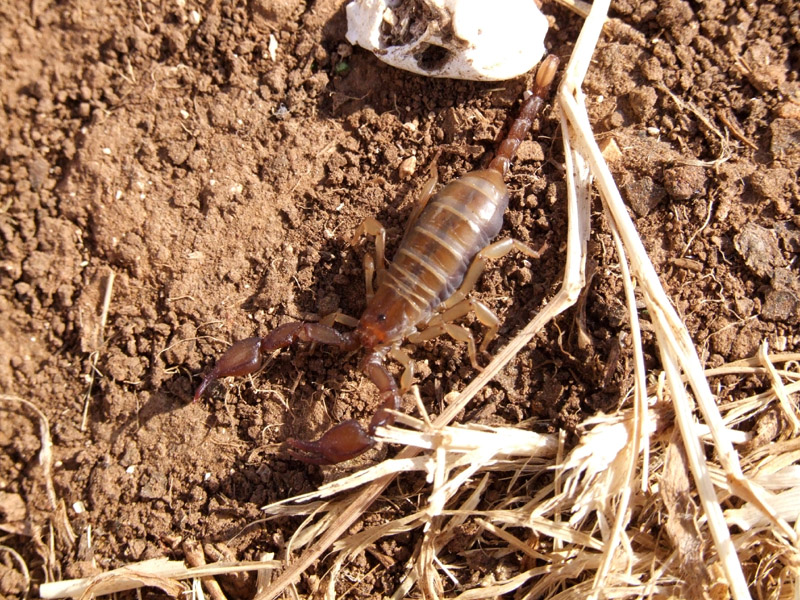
(484, 314)
(370, 226)
(442, 323)
(496, 250)
(338, 317)
(458, 305)
(458, 332)
(425, 194)
(245, 356)
(373, 227)
(348, 439)
(401, 356)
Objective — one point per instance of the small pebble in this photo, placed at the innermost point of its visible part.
(407, 167)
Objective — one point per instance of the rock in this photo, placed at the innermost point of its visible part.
(451, 38)
(782, 299)
(759, 249)
(38, 169)
(643, 195)
(780, 305)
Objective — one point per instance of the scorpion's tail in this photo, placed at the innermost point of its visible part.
(530, 108)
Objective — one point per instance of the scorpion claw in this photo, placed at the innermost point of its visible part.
(343, 442)
(242, 358)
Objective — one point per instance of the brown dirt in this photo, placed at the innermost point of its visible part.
(220, 187)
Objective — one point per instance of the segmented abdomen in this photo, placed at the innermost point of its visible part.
(456, 224)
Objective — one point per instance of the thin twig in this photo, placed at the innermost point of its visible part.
(46, 451)
(96, 353)
(196, 558)
(779, 389)
(23, 567)
(709, 211)
(157, 571)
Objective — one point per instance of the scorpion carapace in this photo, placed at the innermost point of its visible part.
(419, 295)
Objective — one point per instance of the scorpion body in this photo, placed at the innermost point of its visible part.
(442, 254)
(434, 257)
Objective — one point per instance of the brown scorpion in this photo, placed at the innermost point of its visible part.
(441, 256)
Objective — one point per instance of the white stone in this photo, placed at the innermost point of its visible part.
(460, 39)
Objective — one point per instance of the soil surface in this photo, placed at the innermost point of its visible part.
(219, 177)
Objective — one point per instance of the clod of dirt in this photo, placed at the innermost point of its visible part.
(765, 71)
(123, 368)
(651, 69)
(789, 236)
(154, 487)
(774, 185)
(13, 510)
(685, 182)
(642, 103)
(274, 11)
(785, 138)
(12, 583)
(16, 149)
(678, 18)
(759, 249)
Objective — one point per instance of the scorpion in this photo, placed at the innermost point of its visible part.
(423, 290)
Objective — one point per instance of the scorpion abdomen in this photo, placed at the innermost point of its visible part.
(460, 220)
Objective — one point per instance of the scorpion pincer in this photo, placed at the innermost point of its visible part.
(442, 254)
